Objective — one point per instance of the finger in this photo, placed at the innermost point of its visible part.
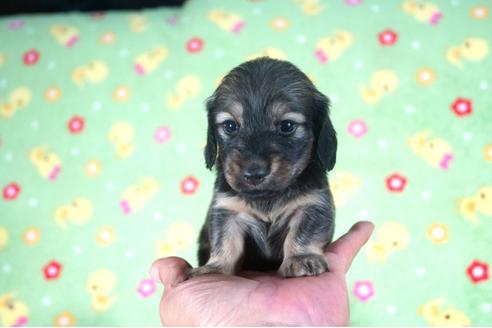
(170, 271)
(347, 246)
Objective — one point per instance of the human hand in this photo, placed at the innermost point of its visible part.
(260, 298)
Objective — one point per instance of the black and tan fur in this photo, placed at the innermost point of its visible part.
(272, 208)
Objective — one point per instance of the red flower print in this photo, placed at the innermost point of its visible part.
(194, 45)
(478, 271)
(396, 182)
(11, 191)
(52, 270)
(31, 57)
(76, 124)
(189, 185)
(388, 37)
(462, 107)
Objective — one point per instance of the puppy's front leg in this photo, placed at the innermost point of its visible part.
(310, 231)
(226, 243)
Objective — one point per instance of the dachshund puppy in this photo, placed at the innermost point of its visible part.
(272, 143)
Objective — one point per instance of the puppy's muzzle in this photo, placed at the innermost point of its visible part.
(255, 172)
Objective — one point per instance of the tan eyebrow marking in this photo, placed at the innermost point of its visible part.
(293, 116)
(236, 109)
(221, 117)
(235, 112)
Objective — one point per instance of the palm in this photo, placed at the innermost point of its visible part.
(259, 298)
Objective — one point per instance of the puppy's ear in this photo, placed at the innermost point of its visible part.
(211, 147)
(326, 137)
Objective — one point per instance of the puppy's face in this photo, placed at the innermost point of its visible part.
(266, 123)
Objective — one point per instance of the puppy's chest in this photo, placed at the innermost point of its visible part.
(268, 229)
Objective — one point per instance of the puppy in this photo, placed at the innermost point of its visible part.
(272, 143)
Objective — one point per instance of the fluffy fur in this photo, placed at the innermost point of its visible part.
(272, 142)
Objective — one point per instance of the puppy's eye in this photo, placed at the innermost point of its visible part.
(287, 127)
(230, 127)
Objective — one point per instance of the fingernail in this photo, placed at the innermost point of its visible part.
(154, 274)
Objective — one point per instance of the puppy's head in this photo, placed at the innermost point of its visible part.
(266, 124)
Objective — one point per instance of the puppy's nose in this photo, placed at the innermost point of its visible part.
(255, 173)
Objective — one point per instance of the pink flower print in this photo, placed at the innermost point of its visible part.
(357, 128)
(353, 2)
(363, 290)
(162, 134)
(146, 288)
(16, 24)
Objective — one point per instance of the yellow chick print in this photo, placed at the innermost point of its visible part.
(269, 52)
(13, 312)
(227, 21)
(94, 72)
(18, 98)
(472, 49)
(438, 315)
(480, 203)
(423, 11)
(78, 211)
(179, 236)
(343, 185)
(309, 7)
(436, 152)
(164, 248)
(187, 88)
(138, 23)
(135, 197)
(392, 236)
(182, 235)
(65, 35)
(100, 285)
(382, 83)
(121, 136)
(332, 47)
(4, 238)
(2, 59)
(147, 62)
(47, 163)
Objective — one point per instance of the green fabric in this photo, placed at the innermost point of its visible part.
(431, 248)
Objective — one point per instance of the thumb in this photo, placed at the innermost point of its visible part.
(347, 246)
(170, 271)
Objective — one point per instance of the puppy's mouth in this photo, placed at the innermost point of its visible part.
(256, 194)
(260, 181)
(271, 187)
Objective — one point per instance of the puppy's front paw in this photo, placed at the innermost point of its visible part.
(303, 265)
(206, 269)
